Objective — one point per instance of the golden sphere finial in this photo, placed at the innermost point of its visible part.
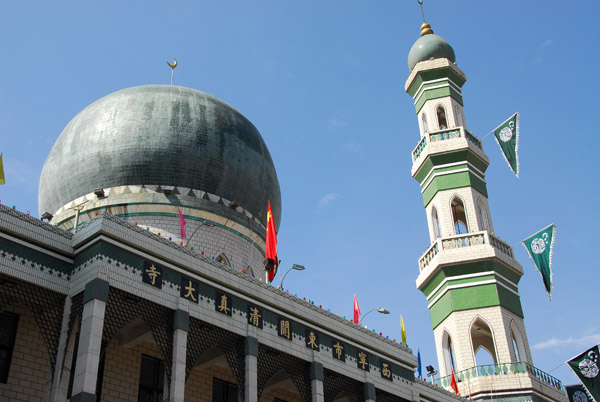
(426, 29)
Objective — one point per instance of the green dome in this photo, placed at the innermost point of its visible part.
(168, 136)
(428, 47)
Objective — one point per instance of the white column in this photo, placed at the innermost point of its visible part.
(90, 341)
(316, 382)
(181, 326)
(177, 391)
(251, 369)
(369, 391)
(56, 393)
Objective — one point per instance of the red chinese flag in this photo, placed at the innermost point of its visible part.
(453, 384)
(271, 250)
(356, 311)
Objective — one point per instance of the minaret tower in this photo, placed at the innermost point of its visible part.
(469, 276)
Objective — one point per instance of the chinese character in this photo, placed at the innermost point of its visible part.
(338, 350)
(223, 306)
(385, 371)
(190, 292)
(254, 317)
(311, 340)
(153, 273)
(284, 329)
(362, 360)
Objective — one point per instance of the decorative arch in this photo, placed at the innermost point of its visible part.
(448, 353)
(442, 120)
(435, 223)
(482, 338)
(517, 342)
(459, 215)
(248, 270)
(484, 221)
(424, 123)
(222, 258)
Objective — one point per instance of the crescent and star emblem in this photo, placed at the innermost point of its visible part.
(174, 63)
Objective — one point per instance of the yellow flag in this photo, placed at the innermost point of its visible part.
(403, 331)
(1, 171)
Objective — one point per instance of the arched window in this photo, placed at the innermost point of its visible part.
(424, 123)
(435, 222)
(457, 116)
(459, 216)
(517, 341)
(222, 258)
(441, 117)
(482, 340)
(483, 216)
(448, 353)
(248, 270)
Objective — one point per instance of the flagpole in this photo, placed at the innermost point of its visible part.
(485, 136)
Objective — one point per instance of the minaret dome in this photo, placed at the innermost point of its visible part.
(429, 46)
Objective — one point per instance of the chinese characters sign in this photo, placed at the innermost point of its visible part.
(312, 339)
(255, 316)
(223, 304)
(152, 274)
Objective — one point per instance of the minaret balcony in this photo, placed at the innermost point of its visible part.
(480, 381)
(465, 248)
(443, 141)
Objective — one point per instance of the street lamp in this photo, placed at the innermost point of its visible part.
(296, 267)
(431, 372)
(379, 310)
(203, 223)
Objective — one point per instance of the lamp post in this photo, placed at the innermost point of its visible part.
(379, 310)
(431, 372)
(203, 223)
(296, 267)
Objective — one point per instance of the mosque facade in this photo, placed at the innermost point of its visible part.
(106, 299)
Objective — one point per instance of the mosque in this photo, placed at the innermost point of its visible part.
(104, 299)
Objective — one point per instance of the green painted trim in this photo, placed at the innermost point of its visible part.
(510, 301)
(453, 181)
(448, 271)
(431, 95)
(441, 310)
(429, 75)
(463, 281)
(462, 155)
(475, 297)
(446, 169)
(437, 93)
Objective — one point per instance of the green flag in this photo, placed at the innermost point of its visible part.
(585, 367)
(507, 136)
(577, 393)
(539, 247)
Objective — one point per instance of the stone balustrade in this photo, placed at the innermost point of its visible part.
(444, 135)
(499, 371)
(463, 241)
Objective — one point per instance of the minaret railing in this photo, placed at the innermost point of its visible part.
(502, 369)
(462, 241)
(444, 135)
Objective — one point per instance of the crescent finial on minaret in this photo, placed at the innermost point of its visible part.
(174, 63)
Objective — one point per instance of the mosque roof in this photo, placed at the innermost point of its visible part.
(161, 135)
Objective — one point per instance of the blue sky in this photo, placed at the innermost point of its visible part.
(323, 81)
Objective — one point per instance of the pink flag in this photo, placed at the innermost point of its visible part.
(181, 224)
